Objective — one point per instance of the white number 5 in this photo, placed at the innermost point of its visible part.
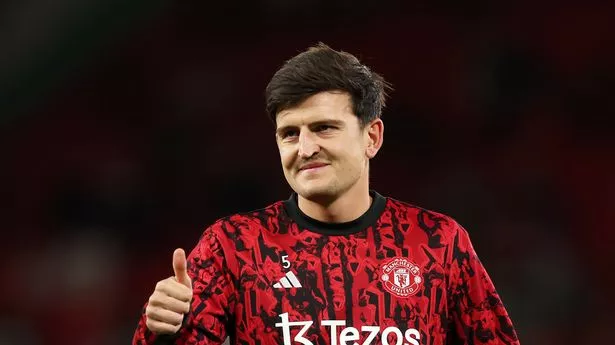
(285, 261)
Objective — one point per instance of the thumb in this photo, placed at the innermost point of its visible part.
(179, 267)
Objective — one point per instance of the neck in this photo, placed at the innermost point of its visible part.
(344, 208)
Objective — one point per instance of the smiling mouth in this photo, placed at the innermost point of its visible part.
(312, 167)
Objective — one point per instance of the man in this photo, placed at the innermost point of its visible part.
(337, 263)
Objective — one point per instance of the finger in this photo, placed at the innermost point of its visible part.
(166, 316)
(160, 327)
(180, 267)
(174, 289)
(161, 300)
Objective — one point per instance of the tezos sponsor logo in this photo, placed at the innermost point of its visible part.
(347, 335)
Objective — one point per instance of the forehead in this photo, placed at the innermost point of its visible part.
(323, 106)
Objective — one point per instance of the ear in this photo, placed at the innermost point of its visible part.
(374, 135)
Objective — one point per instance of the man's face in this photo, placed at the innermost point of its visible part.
(323, 149)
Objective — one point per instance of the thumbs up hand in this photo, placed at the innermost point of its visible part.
(171, 299)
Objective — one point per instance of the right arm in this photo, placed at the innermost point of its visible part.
(209, 312)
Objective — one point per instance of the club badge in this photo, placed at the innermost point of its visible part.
(401, 277)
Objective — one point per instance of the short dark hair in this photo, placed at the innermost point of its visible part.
(321, 68)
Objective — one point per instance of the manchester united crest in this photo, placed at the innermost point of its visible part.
(401, 277)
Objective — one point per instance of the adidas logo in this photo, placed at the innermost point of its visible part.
(287, 282)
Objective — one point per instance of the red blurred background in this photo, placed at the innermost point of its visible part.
(127, 127)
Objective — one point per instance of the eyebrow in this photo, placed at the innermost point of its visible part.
(337, 123)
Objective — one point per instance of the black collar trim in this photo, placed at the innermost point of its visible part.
(364, 221)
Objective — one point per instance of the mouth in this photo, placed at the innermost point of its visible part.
(312, 166)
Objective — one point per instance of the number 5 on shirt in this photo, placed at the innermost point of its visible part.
(285, 262)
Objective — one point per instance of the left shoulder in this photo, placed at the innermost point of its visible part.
(430, 221)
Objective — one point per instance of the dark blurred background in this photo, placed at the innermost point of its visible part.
(127, 127)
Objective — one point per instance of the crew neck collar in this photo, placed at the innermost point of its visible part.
(361, 223)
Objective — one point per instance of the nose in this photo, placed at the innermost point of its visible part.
(307, 145)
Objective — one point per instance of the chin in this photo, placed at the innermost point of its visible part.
(317, 193)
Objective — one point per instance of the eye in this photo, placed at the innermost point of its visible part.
(287, 134)
(324, 128)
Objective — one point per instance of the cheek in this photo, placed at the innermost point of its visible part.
(355, 155)
(351, 160)
(286, 158)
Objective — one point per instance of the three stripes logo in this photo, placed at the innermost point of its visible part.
(288, 281)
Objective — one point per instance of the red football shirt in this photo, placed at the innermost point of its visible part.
(397, 275)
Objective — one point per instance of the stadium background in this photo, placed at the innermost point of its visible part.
(126, 127)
